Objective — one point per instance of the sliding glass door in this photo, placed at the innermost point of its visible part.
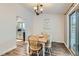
(74, 32)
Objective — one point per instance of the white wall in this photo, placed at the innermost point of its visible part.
(65, 30)
(56, 25)
(7, 27)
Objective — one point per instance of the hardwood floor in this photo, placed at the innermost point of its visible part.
(57, 49)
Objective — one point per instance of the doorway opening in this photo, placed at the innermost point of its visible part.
(20, 31)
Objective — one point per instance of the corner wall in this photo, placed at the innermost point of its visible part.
(7, 27)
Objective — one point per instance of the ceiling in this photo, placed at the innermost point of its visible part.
(51, 8)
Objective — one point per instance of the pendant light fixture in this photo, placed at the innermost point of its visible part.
(38, 9)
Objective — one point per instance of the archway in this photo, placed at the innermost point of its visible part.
(20, 29)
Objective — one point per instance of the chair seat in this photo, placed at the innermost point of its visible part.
(35, 48)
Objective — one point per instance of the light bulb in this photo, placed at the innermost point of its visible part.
(41, 9)
(35, 8)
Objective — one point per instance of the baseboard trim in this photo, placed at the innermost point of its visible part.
(58, 41)
(7, 50)
(69, 49)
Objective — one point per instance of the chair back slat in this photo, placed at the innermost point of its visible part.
(33, 41)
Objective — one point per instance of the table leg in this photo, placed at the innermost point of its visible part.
(43, 49)
(27, 49)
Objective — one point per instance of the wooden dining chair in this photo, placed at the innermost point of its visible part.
(34, 45)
